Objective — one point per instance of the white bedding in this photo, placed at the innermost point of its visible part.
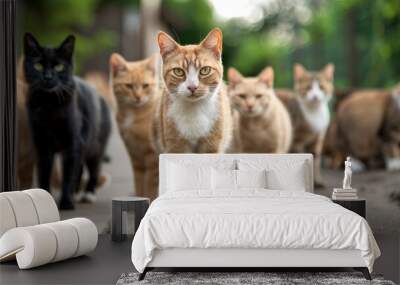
(252, 218)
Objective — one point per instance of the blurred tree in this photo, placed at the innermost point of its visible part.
(361, 37)
(52, 20)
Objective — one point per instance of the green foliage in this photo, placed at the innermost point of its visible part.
(189, 21)
(326, 37)
(375, 37)
(361, 37)
(52, 20)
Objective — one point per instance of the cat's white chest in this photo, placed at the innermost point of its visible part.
(194, 120)
(317, 118)
(128, 121)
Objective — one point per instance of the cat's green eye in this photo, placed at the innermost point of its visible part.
(178, 71)
(205, 70)
(38, 66)
(59, 67)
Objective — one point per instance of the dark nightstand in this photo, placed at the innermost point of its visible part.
(127, 212)
(357, 206)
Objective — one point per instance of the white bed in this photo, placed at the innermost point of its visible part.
(195, 223)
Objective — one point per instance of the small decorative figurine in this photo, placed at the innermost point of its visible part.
(347, 174)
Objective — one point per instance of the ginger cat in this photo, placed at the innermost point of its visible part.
(368, 127)
(100, 81)
(308, 108)
(194, 114)
(135, 86)
(264, 122)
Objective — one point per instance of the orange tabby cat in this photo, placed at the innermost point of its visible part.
(136, 90)
(264, 122)
(368, 127)
(194, 114)
(100, 81)
(308, 108)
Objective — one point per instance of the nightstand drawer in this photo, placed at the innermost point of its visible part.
(357, 206)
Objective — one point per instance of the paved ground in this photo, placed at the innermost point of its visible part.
(121, 184)
(380, 188)
(109, 260)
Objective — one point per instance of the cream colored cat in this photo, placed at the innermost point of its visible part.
(136, 91)
(264, 122)
(309, 110)
(194, 114)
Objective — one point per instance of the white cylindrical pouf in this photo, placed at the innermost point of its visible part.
(41, 244)
(87, 234)
(23, 208)
(33, 246)
(7, 218)
(45, 205)
(67, 240)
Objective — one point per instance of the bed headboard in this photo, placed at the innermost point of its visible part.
(278, 161)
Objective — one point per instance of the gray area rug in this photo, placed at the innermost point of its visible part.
(230, 278)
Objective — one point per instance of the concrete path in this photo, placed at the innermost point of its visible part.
(121, 184)
(380, 188)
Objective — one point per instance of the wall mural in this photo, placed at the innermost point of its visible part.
(95, 108)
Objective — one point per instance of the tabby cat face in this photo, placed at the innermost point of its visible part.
(134, 83)
(48, 69)
(251, 96)
(313, 88)
(192, 72)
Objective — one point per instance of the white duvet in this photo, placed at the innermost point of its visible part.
(252, 218)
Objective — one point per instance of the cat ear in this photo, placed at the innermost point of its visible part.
(234, 76)
(213, 41)
(31, 46)
(151, 63)
(117, 63)
(166, 44)
(328, 71)
(67, 47)
(267, 76)
(298, 71)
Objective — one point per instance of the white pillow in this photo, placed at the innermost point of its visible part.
(181, 177)
(296, 181)
(223, 179)
(251, 178)
(281, 175)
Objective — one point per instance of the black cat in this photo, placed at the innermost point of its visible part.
(66, 116)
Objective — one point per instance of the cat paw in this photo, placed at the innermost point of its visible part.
(104, 180)
(89, 198)
(393, 164)
(66, 204)
(78, 197)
